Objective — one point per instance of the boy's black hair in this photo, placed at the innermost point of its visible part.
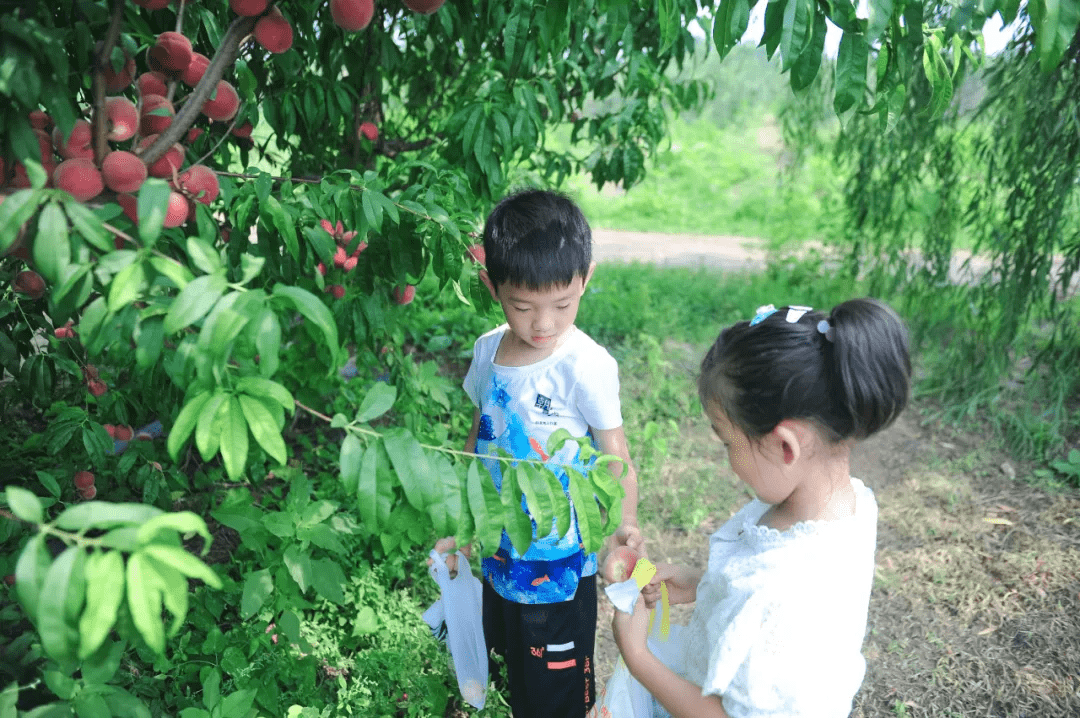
(850, 380)
(536, 239)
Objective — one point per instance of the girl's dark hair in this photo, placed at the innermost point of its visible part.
(851, 381)
(536, 239)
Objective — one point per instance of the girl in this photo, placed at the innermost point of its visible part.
(781, 610)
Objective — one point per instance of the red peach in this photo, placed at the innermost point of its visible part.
(193, 134)
(152, 83)
(195, 69)
(30, 283)
(89, 493)
(110, 429)
(476, 251)
(115, 81)
(223, 106)
(130, 205)
(620, 564)
(243, 130)
(248, 8)
(122, 117)
(200, 183)
(45, 144)
(336, 291)
(168, 162)
(424, 6)
(124, 432)
(321, 268)
(339, 257)
(90, 371)
(177, 212)
(40, 120)
(274, 32)
(79, 178)
(352, 15)
(369, 130)
(83, 479)
(97, 387)
(350, 264)
(76, 143)
(155, 115)
(10, 579)
(406, 295)
(170, 54)
(123, 171)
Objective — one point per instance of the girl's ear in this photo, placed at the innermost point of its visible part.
(487, 283)
(790, 437)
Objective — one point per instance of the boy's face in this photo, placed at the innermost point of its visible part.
(539, 318)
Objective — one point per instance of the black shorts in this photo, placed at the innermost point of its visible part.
(548, 649)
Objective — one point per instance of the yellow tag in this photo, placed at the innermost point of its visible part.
(643, 572)
(665, 612)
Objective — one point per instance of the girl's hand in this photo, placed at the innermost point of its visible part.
(631, 631)
(448, 546)
(682, 583)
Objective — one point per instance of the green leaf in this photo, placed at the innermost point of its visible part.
(61, 600)
(127, 286)
(538, 497)
(52, 246)
(352, 456)
(880, 16)
(937, 74)
(260, 387)
(250, 266)
(560, 501)
(87, 224)
(153, 202)
(234, 439)
(24, 504)
(298, 564)
(486, 507)
(30, 571)
(805, 68)
(194, 301)
(313, 310)
(327, 578)
(103, 515)
(268, 342)
(16, 209)
(182, 522)
(208, 428)
(851, 61)
(144, 601)
(172, 270)
(100, 667)
(284, 225)
(185, 423)
(203, 255)
(518, 526)
(238, 705)
(184, 562)
(149, 340)
(589, 520)
(257, 588)
(104, 594)
(378, 400)
(367, 489)
(732, 19)
(798, 24)
(412, 468)
(263, 427)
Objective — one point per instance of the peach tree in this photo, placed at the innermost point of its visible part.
(215, 215)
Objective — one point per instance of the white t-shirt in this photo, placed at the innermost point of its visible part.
(781, 616)
(575, 388)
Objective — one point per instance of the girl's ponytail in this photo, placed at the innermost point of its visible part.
(849, 372)
(868, 365)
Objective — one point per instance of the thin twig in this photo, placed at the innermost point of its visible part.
(119, 233)
(99, 117)
(223, 136)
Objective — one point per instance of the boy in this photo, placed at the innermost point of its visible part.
(535, 374)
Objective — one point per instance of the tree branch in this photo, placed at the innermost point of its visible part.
(226, 55)
(99, 118)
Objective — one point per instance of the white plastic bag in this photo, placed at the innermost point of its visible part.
(623, 696)
(460, 606)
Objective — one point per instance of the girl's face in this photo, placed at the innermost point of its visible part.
(750, 460)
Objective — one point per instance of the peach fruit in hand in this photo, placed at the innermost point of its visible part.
(620, 564)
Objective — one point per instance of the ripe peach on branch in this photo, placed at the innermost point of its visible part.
(274, 32)
(30, 283)
(352, 15)
(171, 54)
(404, 295)
(79, 178)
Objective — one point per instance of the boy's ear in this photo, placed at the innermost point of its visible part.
(487, 283)
(588, 275)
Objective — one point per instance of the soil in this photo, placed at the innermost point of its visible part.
(976, 602)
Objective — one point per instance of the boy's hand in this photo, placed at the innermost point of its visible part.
(448, 546)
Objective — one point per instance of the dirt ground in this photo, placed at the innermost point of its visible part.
(975, 609)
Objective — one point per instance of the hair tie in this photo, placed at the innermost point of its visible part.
(763, 313)
(824, 327)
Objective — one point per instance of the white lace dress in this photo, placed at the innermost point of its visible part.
(780, 616)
